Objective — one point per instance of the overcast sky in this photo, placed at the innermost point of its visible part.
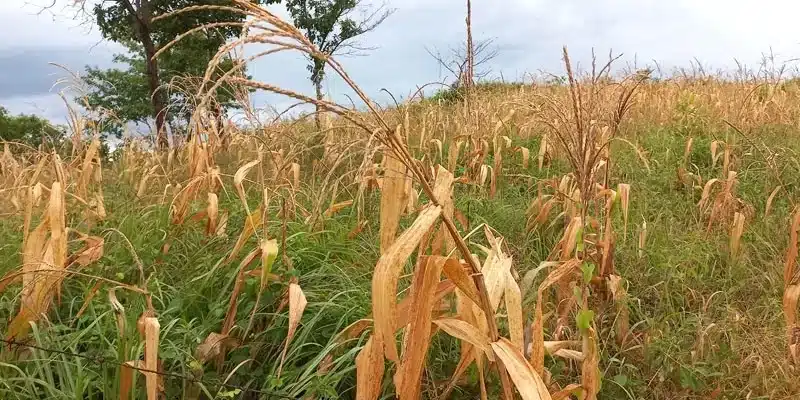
(528, 34)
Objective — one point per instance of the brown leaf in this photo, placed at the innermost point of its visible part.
(408, 378)
(214, 345)
(457, 272)
(513, 298)
(465, 331)
(393, 197)
(387, 274)
(152, 329)
(528, 382)
(590, 372)
(335, 208)
(89, 297)
(297, 304)
(369, 370)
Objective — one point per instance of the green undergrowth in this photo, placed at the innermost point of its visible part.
(702, 322)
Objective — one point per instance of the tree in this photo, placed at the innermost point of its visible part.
(134, 24)
(329, 25)
(457, 61)
(28, 129)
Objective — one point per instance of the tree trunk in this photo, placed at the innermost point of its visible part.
(141, 20)
(318, 114)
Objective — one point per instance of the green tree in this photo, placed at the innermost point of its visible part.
(330, 25)
(28, 129)
(140, 92)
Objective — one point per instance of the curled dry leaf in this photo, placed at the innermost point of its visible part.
(465, 331)
(770, 199)
(238, 180)
(213, 346)
(297, 304)
(253, 222)
(335, 208)
(387, 274)
(408, 379)
(456, 271)
(528, 382)
(91, 251)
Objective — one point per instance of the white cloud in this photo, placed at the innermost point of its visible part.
(529, 34)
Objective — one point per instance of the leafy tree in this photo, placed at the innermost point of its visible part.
(28, 129)
(330, 26)
(139, 92)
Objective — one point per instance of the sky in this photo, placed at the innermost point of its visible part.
(528, 35)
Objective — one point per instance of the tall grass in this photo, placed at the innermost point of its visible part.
(602, 237)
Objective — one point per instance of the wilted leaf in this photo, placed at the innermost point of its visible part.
(408, 378)
(369, 370)
(465, 331)
(297, 304)
(393, 197)
(387, 274)
(213, 346)
(513, 298)
(253, 222)
(457, 272)
(528, 382)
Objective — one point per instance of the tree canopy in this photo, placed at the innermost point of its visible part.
(331, 26)
(148, 89)
(28, 129)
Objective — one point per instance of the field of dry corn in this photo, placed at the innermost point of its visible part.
(599, 238)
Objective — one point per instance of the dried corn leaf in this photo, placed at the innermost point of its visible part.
(528, 382)
(537, 335)
(238, 180)
(467, 332)
(387, 274)
(369, 370)
(736, 234)
(624, 190)
(152, 329)
(456, 271)
(408, 379)
(590, 372)
(513, 299)
(253, 222)
(297, 304)
(335, 208)
(393, 197)
(214, 345)
(770, 199)
(212, 212)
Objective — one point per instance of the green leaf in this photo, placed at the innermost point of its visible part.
(584, 319)
(621, 380)
(588, 271)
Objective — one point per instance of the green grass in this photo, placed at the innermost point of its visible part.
(701, 322)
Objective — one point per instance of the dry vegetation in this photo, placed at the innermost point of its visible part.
(604, 237)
